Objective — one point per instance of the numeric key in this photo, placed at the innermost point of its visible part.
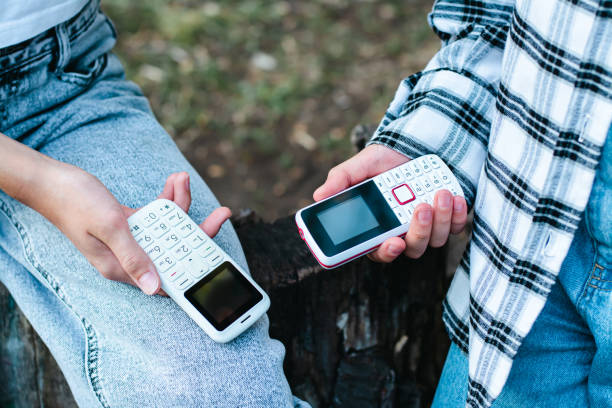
(181, 251)
(170, 240)
(437, 183)
(435, 163)
(196, 240)
(416, 169)
(187, 229)
(164, 263)
(397, 175)
(154, 252)
(160, 229)
(150, 218)
(418, 188)
(145, 240)
(427, 184)
(408, 174)
(176, 218)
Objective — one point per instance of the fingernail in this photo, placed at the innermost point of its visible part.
(459, 206)
(187, 182)
(425, 216)
(394, 250)
(444, 201)
(148, 282)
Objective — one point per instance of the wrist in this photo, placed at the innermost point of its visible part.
(22, 170)
(38, 180)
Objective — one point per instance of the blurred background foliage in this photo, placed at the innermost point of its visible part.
(261, 95)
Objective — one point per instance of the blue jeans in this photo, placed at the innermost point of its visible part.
(566, 358)
(65, 95)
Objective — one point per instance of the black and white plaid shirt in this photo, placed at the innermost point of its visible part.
(518, 102)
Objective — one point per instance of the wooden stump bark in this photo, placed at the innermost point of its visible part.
(362, 335)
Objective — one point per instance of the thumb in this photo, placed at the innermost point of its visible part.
(134, 261)
(369, 162)
(344, 175)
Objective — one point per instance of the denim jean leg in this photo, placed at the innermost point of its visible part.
(146, 352)
(595, 303)
(552, 366)
(116, 346)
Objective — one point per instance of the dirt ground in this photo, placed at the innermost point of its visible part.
(261, 96)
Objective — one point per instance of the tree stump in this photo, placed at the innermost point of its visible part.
(362, 335)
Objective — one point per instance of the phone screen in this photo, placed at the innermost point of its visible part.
(223, 296)
(347, 219)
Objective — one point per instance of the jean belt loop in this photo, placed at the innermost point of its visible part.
(63, 47)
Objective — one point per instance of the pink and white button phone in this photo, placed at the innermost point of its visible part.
(359, 219)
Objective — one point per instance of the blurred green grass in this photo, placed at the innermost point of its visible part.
(261, 95)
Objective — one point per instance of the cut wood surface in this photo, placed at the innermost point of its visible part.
(362, 335)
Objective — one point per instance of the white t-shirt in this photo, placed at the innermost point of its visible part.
(23, 19)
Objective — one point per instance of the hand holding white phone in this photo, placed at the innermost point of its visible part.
(356, 221)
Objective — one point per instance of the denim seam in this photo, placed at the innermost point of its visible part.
(587, 283)
(600, 289)
(92, 352)
(85, 79)
(597, 277)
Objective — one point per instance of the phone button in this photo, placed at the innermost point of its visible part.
(380, 183)
(215, 260)
(135, 229)
(403, 194)
(301, 233)
(390, 200)
(183, 283)
(401, 216)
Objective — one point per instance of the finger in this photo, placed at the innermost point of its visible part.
(442, 215)
(168, 191)
(212, 223)
(132, 258)
(389, 250)
(182, 191)
(103, 259)
(341, 177)
(419, 233)
(369, 162)
(459, 215)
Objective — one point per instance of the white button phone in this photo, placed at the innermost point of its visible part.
(359, 219)
(196, 273)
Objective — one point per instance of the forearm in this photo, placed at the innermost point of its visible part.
(448, 107)
(24, 172)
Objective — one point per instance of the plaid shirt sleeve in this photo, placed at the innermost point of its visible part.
(518, 102)
(447, 108)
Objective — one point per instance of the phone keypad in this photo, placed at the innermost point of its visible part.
(415, 182)
(181, 252)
